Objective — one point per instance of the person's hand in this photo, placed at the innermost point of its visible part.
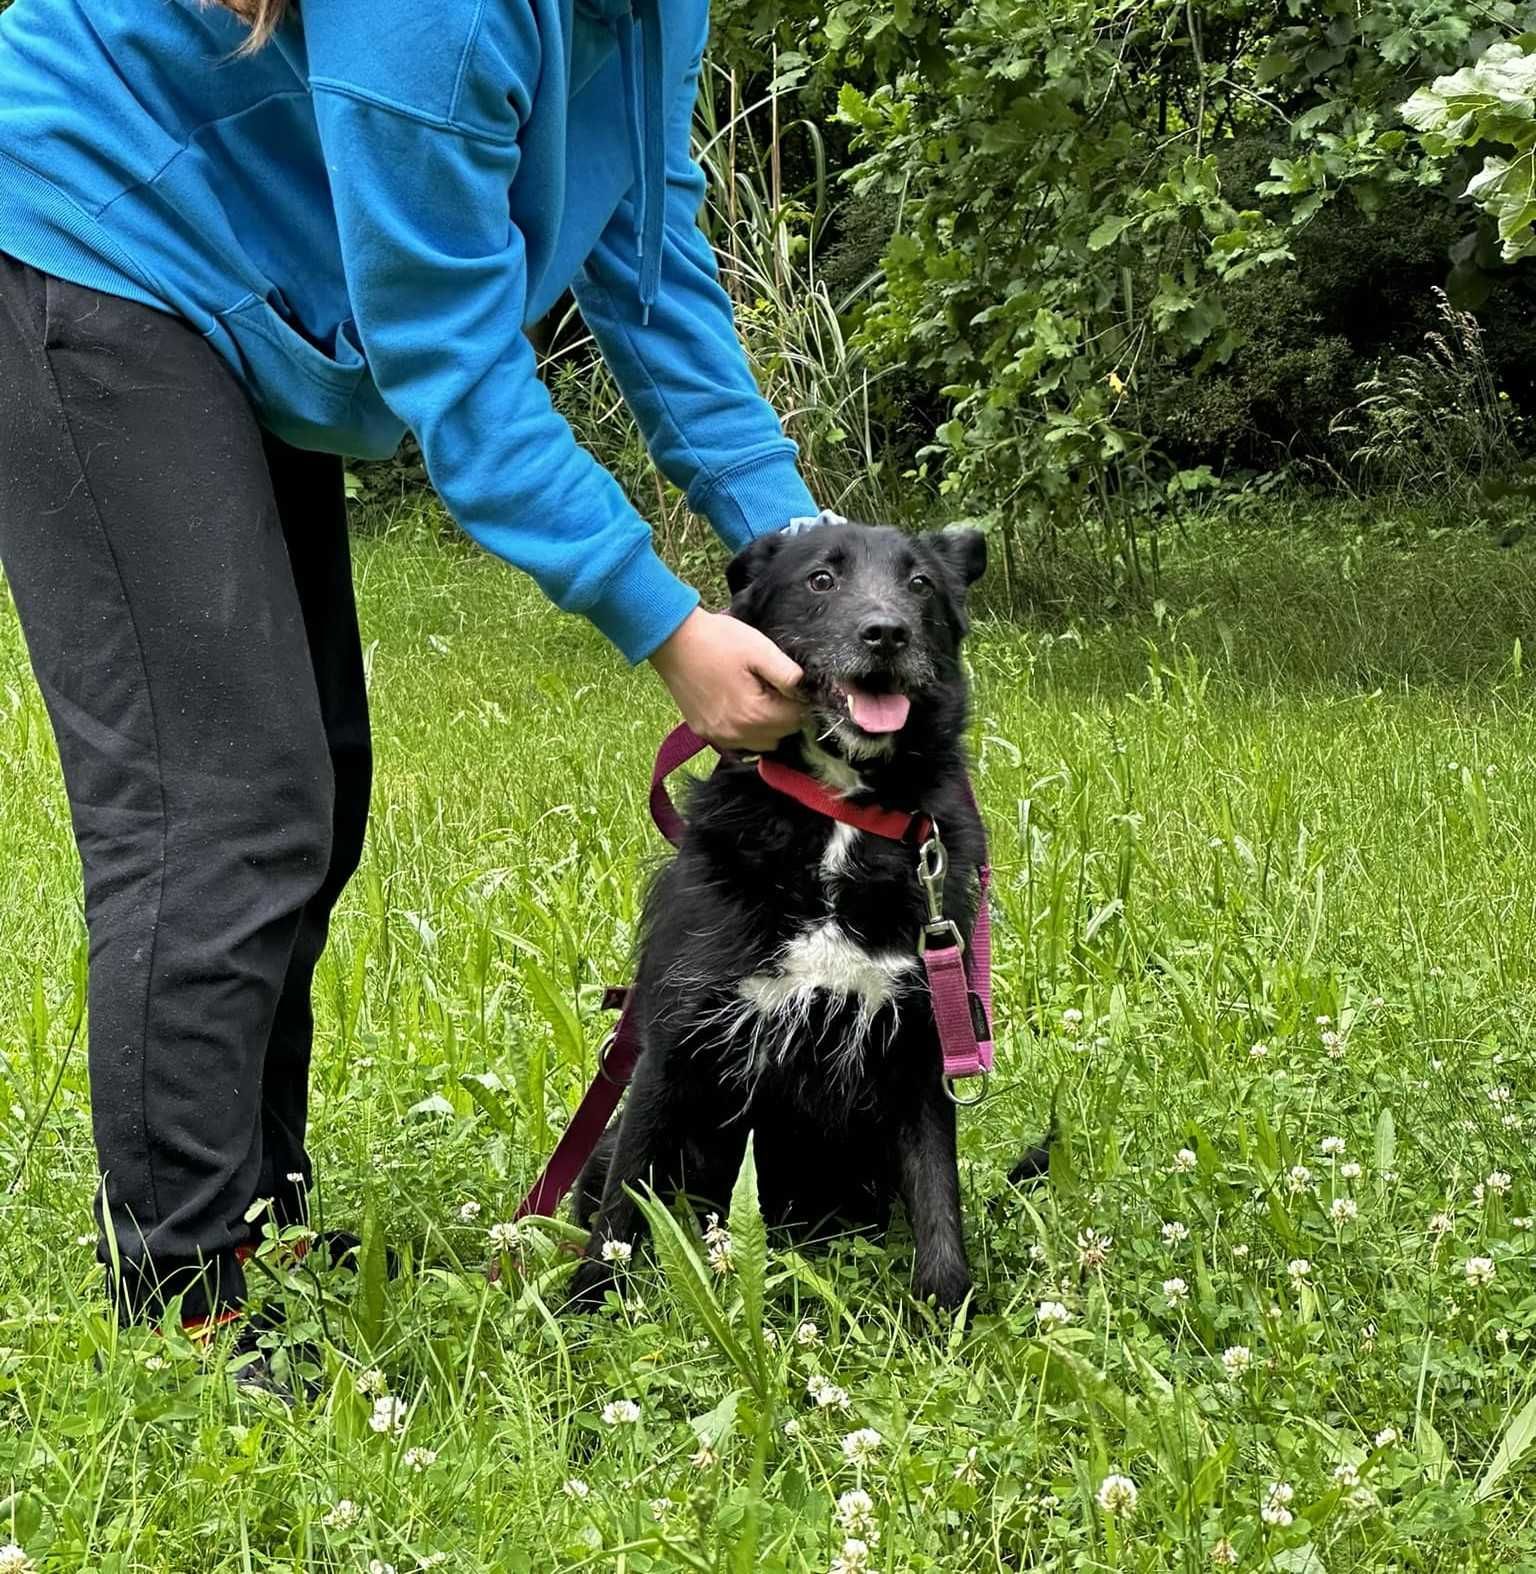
(734, 686)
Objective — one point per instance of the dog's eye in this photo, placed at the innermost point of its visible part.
(821, 580)
(920, 585)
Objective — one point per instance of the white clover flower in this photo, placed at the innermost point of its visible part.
(1350, 1171)
(617, 1251)
(433, 1560)
(1071, 1019)
(1479, 1271)
(704, 1458)
(1347, 1474)
(1240, 1251)
(620, 1412)
(1274, 1509)
(1257, 1051)
(1343, 1210)
(968, 1471)
(295, 1177)
(371, 1381)
(1176, 1290)
(807, 1335)
(1441, 1224)
(419, 1459)
(792, 1428)
(1037, 1252)
(1323, 1021)
(576, 1488)
(717, 1240)
(1236, 1359)
(469, 1212)
(343, 1515)
(1224, 1554)
(81, 1240)
(1184, 1161)
(379, 1566)
(503, 1236)
(1331, 1147)
(1522, 1222)
(1499, 1181)
(389, 1415)
(1175, 1231)
(1117, 1496)
(1499, 1095)
(1387, 1436)
(1334, 1044)
(155, 1363)
(1093, 1248)
(828, 1396)
(856, 1513)
(1299, 1178)
(660, 1508)
(1362, 1500)
(14, 1561)
(861, 1446)
(1052, 1315)
(853, 1559)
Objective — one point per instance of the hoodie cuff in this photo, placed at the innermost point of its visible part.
(753, 498)
(641, 605)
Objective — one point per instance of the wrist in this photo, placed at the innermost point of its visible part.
(672, 650)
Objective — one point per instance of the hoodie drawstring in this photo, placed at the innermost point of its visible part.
(638, 32)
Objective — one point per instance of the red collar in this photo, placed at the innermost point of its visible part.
(893, 824)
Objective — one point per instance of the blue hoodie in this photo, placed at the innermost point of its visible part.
(362, 217)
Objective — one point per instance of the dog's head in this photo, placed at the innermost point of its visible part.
(875, 617)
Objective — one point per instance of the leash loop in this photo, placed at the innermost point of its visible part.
(983, 1085)
(604, 1052)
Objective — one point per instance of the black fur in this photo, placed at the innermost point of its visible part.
(836, 1137)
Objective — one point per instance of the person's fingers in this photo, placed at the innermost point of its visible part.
(776, 669)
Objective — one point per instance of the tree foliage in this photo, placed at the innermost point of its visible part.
(1063, 243)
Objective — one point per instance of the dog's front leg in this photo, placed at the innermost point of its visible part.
(930, 1188)
(647, 1150)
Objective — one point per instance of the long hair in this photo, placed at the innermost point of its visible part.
(263, 17)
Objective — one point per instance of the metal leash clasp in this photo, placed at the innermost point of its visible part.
(932, 866)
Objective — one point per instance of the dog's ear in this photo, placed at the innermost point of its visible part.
(751, 561)
(964, 552)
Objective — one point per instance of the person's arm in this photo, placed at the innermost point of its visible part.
(684, 373)
(437, 277)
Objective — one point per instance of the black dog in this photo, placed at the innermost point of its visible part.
(779, 987)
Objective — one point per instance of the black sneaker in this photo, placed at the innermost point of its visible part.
(261, 1362)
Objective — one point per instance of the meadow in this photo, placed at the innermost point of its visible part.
(1266, 893)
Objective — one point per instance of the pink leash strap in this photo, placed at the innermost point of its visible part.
(677, 748)
(615, 1066)
(960, 986)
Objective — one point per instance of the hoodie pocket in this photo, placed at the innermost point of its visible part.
(309, 396)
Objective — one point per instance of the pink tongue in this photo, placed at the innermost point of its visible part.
(878, 712)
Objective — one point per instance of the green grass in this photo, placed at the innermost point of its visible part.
(1300, 788)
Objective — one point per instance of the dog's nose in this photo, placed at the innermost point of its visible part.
(886, 634)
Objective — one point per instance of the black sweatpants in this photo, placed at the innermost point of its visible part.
(185, 590)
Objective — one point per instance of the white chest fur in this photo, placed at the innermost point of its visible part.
(826, 960)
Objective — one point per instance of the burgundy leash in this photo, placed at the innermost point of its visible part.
(959, 979)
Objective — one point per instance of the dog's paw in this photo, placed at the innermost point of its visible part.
(589, 1286)
(944, 1290)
